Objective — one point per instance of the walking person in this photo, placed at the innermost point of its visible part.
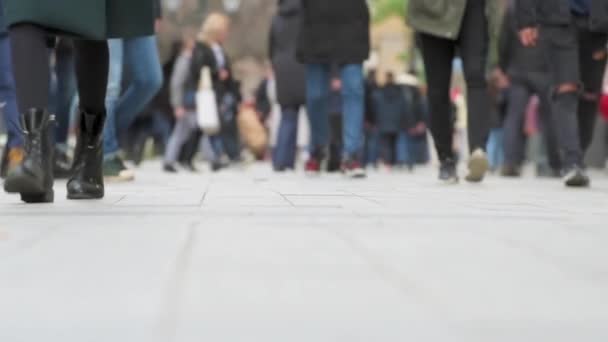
(139, 56)
(290, 80)
(13, 153)
(207, 52)
(335, 32)
(445, 27)
(573, 36)
(526, 72)
(31, 22)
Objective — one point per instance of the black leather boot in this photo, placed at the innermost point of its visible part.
(33, 178)
(62, 165)
(4, 162)
(87, 174)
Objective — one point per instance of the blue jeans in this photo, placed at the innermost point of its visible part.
(317, 85)
(139, 56)
(404, 150)
(495, 148)
(284, 156)
(8, 96)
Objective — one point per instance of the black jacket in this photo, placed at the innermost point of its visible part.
(558, 12)
(289, 73)
(203, 56)
(513, 58)
(158, 9)
(334, 31)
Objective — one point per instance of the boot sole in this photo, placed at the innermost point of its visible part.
(30, 191)
(23, 185)
(84, 197)
(478, 167)
(47, 197)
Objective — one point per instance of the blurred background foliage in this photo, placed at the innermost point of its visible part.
(383, 9)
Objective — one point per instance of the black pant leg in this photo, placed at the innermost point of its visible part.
(561, 49)
(92, 65)
(541, 85)
(438, 55)
(30, 66)
(473, 46)
(592, 52)
(514, 139)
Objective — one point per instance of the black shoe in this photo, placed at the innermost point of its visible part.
(62, 166)
(138, 150)
(33, 178)
(170, 168)
(510, 171)
(189, 167)
(447, 172)
(546, 171)
(576, 177)
(87, 178)
(217, 166)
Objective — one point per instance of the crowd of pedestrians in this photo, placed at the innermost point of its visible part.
(101, 61)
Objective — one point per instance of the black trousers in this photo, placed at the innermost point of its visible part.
(336, 147)
(575, 55)
(31, 68)
(523, 87)
(438, 54)
(388, 147)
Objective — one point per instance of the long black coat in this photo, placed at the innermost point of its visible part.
(289, 73)
(334, 31)
(90, 19)
(2, 19)
(203, 56)
(558, 12)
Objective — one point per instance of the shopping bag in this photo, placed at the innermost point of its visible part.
(206, 105)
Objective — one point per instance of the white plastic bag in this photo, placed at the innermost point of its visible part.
(206, 105)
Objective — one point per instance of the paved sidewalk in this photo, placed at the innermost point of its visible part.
(248, 255)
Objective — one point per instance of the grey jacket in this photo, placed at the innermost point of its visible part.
(179, 80)
(443, 18)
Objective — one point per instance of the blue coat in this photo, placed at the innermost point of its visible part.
(391, 108)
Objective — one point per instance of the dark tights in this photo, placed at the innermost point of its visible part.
(438, 54)
(32, 71)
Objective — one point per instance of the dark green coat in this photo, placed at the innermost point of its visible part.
(90, 19)
(443, 18)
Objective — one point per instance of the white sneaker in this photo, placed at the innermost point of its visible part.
(478, 166)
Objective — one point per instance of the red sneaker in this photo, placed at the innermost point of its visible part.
(312, 167)
(352, 168)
